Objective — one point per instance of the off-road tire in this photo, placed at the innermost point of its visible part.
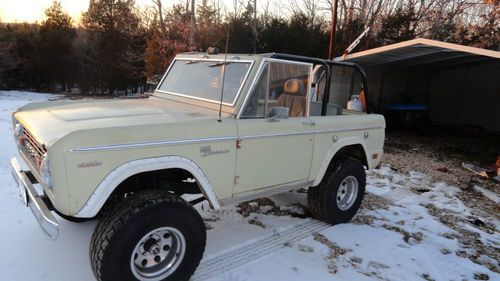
(117, 234)
(322, 198)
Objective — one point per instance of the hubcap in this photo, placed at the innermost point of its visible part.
(158, 254)
(347, 193)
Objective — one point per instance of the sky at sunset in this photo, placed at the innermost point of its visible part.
(33, 10)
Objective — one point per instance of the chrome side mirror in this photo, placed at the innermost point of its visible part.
(277, 113)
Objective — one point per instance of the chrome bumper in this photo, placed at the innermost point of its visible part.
(33, 200)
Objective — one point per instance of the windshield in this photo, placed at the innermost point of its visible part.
(203, 79)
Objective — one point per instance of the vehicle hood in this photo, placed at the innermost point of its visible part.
(49, 121)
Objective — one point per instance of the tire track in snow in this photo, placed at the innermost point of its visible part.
(222, 263)
(398, 194)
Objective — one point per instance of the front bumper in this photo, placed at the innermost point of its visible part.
(32, 199)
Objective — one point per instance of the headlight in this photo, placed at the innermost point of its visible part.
(18, 130)
(45, 171)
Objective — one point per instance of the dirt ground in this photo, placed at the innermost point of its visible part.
(440, 155)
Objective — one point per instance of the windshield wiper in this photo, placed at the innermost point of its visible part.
(219, 63)
(192, 61)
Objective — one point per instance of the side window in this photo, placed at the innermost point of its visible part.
(346, 91)
(281, 87)
(258, 100)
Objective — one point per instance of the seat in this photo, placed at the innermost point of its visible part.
(294, 98)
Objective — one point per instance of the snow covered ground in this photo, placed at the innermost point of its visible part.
(407, 229)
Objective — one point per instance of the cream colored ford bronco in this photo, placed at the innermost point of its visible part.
(221, 128)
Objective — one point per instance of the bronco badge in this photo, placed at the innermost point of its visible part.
(89, 164)
(207, 151)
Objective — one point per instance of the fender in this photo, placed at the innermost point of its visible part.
(118, 175)
(331, 153)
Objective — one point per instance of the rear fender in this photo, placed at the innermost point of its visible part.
(332, 152)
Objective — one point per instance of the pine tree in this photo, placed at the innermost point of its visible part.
(241, 35)
(9, 58)
(116, 29)
(399, 26)
(163, 46)
(56, 51)
(208, 31)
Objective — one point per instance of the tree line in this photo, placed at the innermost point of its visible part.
(116, 45)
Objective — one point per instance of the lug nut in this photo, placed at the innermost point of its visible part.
(166, 248)
(144, 262)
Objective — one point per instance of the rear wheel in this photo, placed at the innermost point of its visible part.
(151, 235)
(338, 197)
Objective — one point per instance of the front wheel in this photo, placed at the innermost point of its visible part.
(151, 236)
(338, 197)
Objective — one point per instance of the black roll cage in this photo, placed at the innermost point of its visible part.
(328, 64)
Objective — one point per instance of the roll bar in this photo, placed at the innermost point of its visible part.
(328, 64)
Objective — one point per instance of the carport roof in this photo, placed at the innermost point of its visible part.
(421, 53)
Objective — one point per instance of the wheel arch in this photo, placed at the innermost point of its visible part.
(112, 181)
(347, 148)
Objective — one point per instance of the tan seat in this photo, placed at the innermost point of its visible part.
(294, 98)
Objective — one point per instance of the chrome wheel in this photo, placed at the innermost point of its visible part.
(158, 254)
(347, 193)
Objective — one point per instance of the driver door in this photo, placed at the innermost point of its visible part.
(274, 150)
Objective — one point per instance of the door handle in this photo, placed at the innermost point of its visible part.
(310, 123)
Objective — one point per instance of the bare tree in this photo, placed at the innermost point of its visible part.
(218, 10)
(193, 25)
(159, 10)
(308, 7)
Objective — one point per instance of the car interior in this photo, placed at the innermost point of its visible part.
(284, 86)
(294, 98)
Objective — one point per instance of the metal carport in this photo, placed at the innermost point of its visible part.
(460, 84)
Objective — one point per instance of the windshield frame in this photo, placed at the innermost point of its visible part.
(232, 59)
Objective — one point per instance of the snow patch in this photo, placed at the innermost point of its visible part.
(399, 240)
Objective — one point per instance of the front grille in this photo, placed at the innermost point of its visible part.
(32, 148)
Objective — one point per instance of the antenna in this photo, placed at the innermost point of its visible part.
(219, 119)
